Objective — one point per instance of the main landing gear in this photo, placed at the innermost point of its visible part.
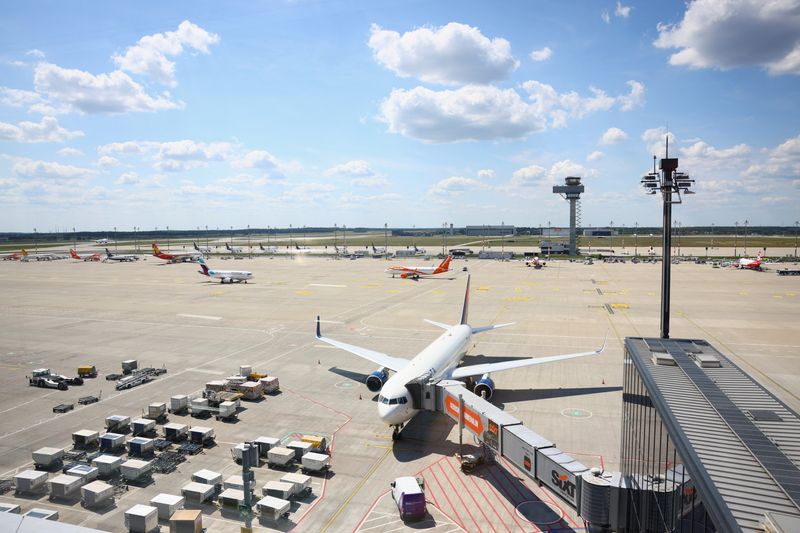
(396, 432)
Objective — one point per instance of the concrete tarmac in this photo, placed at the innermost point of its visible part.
(63, 314)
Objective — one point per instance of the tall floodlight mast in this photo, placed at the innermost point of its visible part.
(671, 184)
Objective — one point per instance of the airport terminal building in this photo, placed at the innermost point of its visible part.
(704, 447)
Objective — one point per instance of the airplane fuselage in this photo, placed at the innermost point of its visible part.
(437, 360)
(229, 275)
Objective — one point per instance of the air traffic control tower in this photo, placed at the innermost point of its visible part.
(571, 190)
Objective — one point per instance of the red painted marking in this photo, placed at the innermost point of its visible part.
(507, 504)
(459, 496)
(487, 500)
(478, 505)
(455, 512)
(371, 507)
(554, 502)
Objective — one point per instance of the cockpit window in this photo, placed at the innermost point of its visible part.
(393, 401)
(402, 400)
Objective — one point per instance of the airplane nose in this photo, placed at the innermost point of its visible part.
(391, 414)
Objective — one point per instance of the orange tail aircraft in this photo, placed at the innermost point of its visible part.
(420, 272)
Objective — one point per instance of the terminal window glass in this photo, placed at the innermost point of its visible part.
(663, 496)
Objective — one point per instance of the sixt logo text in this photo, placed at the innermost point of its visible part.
(562, 482)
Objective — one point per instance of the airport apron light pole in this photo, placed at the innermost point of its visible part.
(670, 183)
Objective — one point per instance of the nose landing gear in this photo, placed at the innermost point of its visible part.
(396, 432)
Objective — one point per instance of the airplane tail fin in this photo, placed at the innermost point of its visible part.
(228, 247)
(465, 309)
(444, 266)
(24, 252)
(156, 249)
(73, 254)
(262, 247)
(108, 253)
(195, 246)
(203, 265)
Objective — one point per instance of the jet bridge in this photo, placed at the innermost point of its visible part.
(599, 498)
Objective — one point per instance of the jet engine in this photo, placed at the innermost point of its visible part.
(484, 387)
(376, 380)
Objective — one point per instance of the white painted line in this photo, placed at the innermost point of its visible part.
(204, 371)
(326, 285)
(204, 317)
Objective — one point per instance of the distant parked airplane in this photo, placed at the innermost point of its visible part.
(268, 249)
(176, 257)
(202, 249)
(233, 250)
(93, 256)
(414, 272)
(224, 276)
(101, 241)
(122, 258)
(749, 263)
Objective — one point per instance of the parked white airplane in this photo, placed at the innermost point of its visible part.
(268, 249)
(118, 257)
(234, 249)
(229, 276)
(414, 272)
(439, 361)
(101, 241)
(202, 249)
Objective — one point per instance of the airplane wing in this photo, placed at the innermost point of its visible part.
(392, 363)
(477, 370)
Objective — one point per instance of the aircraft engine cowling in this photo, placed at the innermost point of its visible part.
(376, 380)
(484, 387)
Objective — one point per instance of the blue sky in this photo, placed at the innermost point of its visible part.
(189, 114)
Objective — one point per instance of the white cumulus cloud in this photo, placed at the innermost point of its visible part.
(107, 161)
(69, 151)
(46, 130)
(452, 54)
(361, 173)
(736, 33)
(613, 136)
(542, 54)
(128, 178)
(456, 186)
(594, 156)
(149, 55)
(34, 169)
(622, 11)
(487, 173)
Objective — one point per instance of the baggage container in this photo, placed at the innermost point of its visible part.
(179, 403)
(227, 410)
(143, 426)
(87, 371)
(30, 482)
(280, 456)
(167, 504)
(85, 438)
(135, 470)
(10, 508)
(118, 423)
(233, 381)
(156, 411)
(250, 390)
(107, 465)
(318, 444)
(301, 484)
(300, 448)
(64, 486)
(129, 366)
(315, 462)
(231, 498)
(270, 384)
(47, 457)
(186, 521)
(265, 444)
(278, 489)
(201, 403)
(201, 435)
(197, 492)
(112, 441)
(141, 447)
(97, 494)
(272, 508)
(236, 482)
(141, 519)
(218, 385)
(44, 514)
(176, 432)
(245, 370)
(208, 477)
(85, 472)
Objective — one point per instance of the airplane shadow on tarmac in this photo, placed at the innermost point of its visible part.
(504, 396)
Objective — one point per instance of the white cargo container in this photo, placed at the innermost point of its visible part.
(234, 482)
(237, 452)
(47, 457)
(30, 481)
(201, 435)
(85, 472)
(178, 403)
(143, 426)
(278, 489)
(112, 441)
(270, 384)
(301, 484)
(107, 465)
(208, 477)
(175, 432)
(97, 494)
(141, 447)
(186, 521)
(118, 423)
(315, 462)
(300, 448)
(245, 370)
(129, 366)
(141, 519)
(232, 381)
(64, 486)
(197, 492)
(167, 504)
(85, 438)
(265, 444)
(227, 409)
(231, 498)
(217, 385)
(199, 403)
(134, 469)
(271, 508)
(44, 514)
(251, 390)
(280, 456)
(156, 410)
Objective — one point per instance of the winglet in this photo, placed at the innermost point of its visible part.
(603, 347)
(465, 309)
(319, 334)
